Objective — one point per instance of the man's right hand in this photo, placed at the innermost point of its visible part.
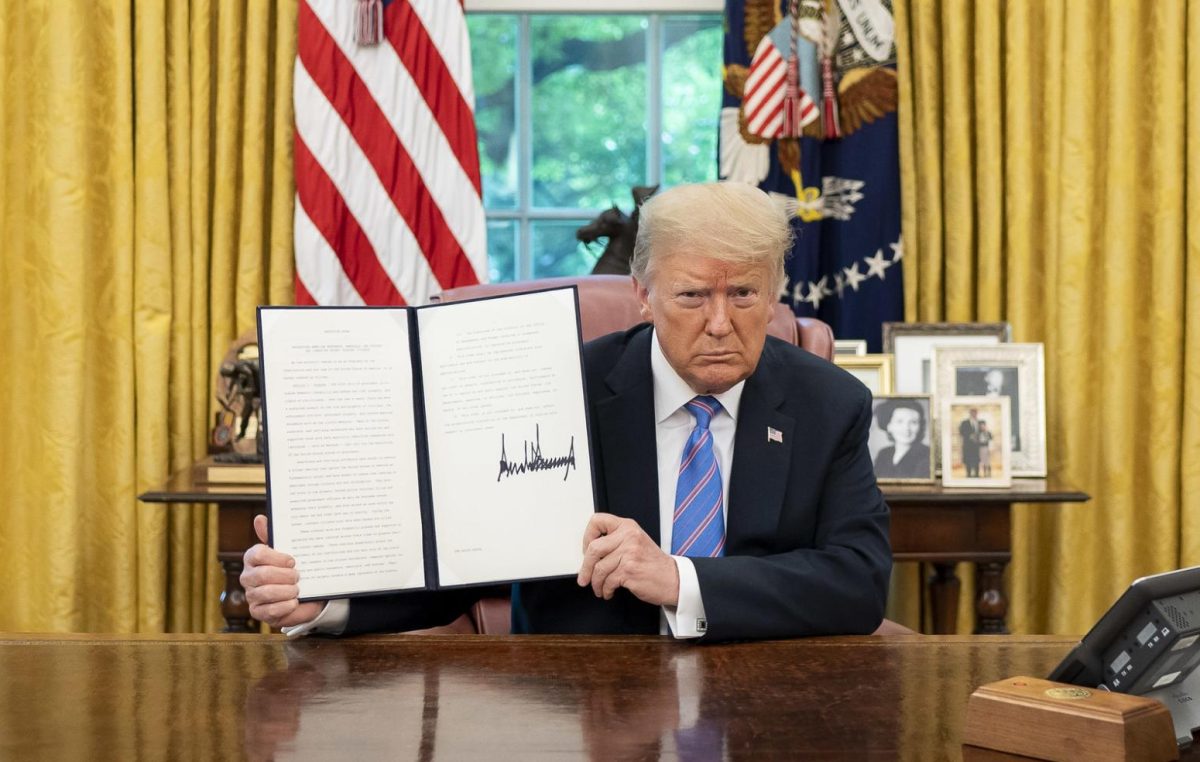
(271, 583)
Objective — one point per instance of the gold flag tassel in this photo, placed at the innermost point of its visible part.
(792, 104)
(830, 122)
(368, 23)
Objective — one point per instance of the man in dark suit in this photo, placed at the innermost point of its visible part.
(736, 492)
(968, 430)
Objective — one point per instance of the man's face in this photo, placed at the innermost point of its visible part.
(710, 316)
(994, 382)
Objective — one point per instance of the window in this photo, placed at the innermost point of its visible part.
(573, 110)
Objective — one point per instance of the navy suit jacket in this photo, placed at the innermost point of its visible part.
(806, 549)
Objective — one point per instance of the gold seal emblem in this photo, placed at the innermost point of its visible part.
(1068, 693)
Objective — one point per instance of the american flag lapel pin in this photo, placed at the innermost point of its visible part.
(774, 435)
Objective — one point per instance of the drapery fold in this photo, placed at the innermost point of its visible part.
(1050, 154)
(146, 211)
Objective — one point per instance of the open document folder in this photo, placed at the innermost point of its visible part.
(429, 447)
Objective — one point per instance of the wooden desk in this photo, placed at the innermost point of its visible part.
(479, 697)
(929, 523)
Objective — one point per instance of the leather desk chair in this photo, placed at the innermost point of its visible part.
(607, 303)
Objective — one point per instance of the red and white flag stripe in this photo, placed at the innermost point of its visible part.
(766, 86)
(763, 102)
(446, 27)
(388, 200)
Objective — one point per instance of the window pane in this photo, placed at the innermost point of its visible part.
(691, 95)
(589, 109)
(502, 250)
(557, 252)
(494, 41)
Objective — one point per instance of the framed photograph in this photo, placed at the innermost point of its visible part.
(1012, 371)
(849, 346)
(901, 439)
(873, 370)
(976, 446)
(911, 344)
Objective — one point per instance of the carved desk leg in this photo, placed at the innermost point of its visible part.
(991, 605)
(944, 588)
(233, 598)
(235, 535)
(947, 533)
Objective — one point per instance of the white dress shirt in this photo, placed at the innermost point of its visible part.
(673, 424)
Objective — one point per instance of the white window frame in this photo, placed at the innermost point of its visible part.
(591, 6)
(525, 213)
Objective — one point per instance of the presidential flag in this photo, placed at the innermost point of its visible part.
(388, 203)
(809, 115)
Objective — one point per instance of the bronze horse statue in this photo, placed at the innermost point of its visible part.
(621, 231)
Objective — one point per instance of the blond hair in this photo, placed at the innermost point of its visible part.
(730, 221)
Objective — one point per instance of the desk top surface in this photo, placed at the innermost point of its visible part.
(183, 488)
(459, 697)
(1021, 491)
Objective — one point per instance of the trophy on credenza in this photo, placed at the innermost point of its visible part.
(235, 442)
(242, 404)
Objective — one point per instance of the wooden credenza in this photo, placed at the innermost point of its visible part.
(944, 526)
(236, 508)
(931, 524)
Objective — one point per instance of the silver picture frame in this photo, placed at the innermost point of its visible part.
(895, 460)
(1013, 371)
(849, 346)
(911, 345)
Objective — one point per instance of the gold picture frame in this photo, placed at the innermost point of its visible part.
(875, 371)
(963, 419)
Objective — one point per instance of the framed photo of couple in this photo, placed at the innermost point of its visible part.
(901, 440)
(976, 442)
(1009, 371)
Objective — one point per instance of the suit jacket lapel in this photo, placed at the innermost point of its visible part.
(760, 465)
(625, 422)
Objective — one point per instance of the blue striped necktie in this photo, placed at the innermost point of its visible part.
(698, 528)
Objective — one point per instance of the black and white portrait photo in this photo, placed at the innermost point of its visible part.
(900, 440)
(993, 381)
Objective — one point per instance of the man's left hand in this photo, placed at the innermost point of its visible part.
(618, 553)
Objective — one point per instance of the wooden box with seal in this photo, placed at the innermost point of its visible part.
(1032, 718)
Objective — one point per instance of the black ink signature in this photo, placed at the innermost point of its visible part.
(533, 458)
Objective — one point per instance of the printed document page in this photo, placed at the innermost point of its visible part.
(508, 441)
(342, 464)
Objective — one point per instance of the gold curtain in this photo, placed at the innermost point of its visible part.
(145, 211)
(1050, 161)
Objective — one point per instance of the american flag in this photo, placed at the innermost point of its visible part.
(771, 83)
(388, 202)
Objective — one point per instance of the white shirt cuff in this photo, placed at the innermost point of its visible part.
(331, 621)
(687, 619)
